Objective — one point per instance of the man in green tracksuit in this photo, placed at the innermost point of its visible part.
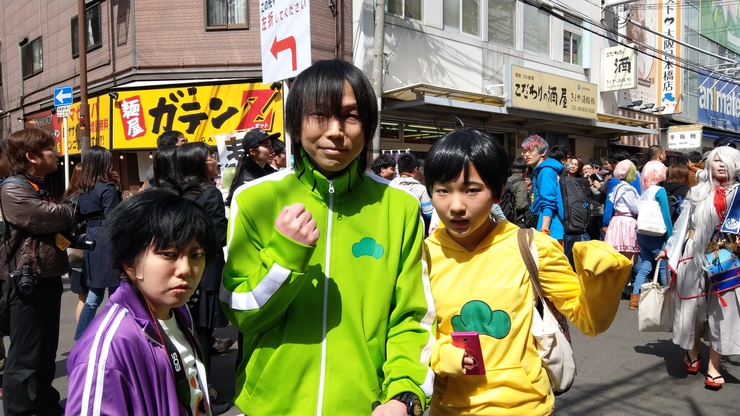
(324, 274)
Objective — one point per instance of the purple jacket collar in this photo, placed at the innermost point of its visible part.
(127, 297)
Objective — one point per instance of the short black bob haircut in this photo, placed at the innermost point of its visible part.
(382, 162)
(319, 88)
(158, 218)
(456, 151)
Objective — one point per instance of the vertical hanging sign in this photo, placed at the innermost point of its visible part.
(285, 29)
(669, 83)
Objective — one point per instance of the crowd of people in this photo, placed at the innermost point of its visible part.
(350, 288)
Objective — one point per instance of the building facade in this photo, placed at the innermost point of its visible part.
(452, 62)
(188, 65)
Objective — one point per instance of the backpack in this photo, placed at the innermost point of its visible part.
(508, 205)
(508, 201)
(577, 206)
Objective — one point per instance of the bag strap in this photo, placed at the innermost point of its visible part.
(616, 191)
(657, 271)
(525, 237)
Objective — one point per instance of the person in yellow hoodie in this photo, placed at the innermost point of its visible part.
(480, 284)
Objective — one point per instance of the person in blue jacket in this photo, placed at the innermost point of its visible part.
(547, 199)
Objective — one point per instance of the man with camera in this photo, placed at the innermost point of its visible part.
(33, 261)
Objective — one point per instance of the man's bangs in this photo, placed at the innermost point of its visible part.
(179, 230)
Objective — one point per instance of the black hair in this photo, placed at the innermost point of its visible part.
(189, 163)
(456, 151)
(382, 162)
(558, 153)
(97, 163)
(158, 218)
(163, 174)
(693, 156)
(618, 155)
(725, 141)
(519, 165)
(278, 146)
(320, 88)
(168, 138)
(407, 162)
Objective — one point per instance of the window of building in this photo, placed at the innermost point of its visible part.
(226, 14)
(33, 57)
(502, 22)
(410, 9)
(536, 30)
(571, 43)
(93, 31)
(462, 15)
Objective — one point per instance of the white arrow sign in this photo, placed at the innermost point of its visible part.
(62, 96)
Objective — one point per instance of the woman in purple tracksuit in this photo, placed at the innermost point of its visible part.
(139, 356)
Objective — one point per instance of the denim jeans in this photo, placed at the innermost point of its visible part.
(650, 246)
(92, 303)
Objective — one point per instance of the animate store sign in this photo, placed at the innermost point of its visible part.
(719, 103)
(538, 91)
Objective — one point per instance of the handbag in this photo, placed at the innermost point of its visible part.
(723, 269)
(549, 326)
(657, 306)
(650, 217)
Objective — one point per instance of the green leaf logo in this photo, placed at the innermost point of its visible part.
(367, 247)
(477, 316)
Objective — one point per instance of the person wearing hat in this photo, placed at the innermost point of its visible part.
(257, 146)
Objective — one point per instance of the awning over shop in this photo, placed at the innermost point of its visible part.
(430, 103)
(636, 139)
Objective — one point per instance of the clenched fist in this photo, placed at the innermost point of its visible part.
(297, 224)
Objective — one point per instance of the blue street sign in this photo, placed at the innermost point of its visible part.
(63, 96)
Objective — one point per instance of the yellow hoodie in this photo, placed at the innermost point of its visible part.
(488, 291)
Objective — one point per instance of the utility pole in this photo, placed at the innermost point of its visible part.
(378, 68)
(83, 132)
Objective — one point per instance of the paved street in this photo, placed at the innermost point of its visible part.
(620, 372)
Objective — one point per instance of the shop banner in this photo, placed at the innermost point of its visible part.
(136, 118)
(538, 91)
(200, 113)
(619, 69)
(669, 83)
(686, 137)
(719, 102)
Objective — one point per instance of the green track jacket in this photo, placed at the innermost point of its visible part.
(328, 329)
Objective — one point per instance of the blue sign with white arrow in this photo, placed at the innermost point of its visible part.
(63, 96)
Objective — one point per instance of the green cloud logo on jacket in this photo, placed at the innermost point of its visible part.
(367, 247)
(477, 316)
